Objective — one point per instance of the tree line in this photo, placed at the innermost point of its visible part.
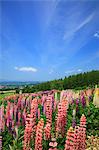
(78, 81)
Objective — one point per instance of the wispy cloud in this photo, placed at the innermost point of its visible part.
(26, 69)
(96, 34)
(86, 21)
(73, 71)
(75, 28)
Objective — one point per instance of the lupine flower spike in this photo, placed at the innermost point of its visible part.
(82, 134)
(39, 134)
(69, 139)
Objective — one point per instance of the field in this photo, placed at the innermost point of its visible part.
(3, 94)
(50, 120)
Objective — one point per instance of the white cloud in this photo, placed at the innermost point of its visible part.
(26, 69)
(79, 70)
(96, 34)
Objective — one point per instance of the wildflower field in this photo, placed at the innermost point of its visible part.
(50, 120)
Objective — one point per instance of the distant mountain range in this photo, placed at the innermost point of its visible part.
(17, 83)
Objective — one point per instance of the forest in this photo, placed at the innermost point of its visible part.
(78, 81)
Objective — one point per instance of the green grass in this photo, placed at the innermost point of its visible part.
(2, 96)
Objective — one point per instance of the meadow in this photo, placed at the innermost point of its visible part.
(50, 120)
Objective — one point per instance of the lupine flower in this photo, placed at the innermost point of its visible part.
(61, 118)
(58, 121)
(48, 109)
(34, 106)
(73, 101)
(83, 100)
(39, 134)
(53, 144)
(1, 118)
(27, 134)
(76, 138)
(19, 117)
(73, 122)
(47, 131)
(69, 140)
(24, 117)
(8, 114)
(38, 113)
(77, 101)
(82, 133)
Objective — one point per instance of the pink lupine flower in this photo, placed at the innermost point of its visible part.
(27, 134)
(58, 121)
(44, 108)
(2, 118)
(39, 134)
(43, 99)
(69, 139)
(19, 117)
(34, 106)
(82, 133)
(11, 112)
(19, 102)
(76, 138)
(8, 114)
(38, 113)
(47, 131)
(61, 118)
(48, 109)
(15, 111)
(53, 144)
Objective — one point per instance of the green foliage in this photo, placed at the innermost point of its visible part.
(45, 144)
(7, 139)
(61, 143)
(69, 118)
(12, 142)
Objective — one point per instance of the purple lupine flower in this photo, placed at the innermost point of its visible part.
(90, 98)
(73, 122)
(73, 101)
(77, 109)
(10, 126)
(77, 101)
(83, 100)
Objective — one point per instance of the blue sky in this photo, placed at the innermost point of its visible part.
(48, 39)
